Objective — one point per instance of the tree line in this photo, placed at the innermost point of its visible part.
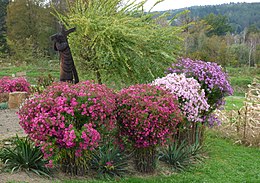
(228, 34)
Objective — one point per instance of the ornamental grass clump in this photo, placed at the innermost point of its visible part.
(211, 78)
(67, 121)
(147, 118)
(8, 85)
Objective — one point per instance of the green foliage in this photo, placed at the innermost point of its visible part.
(181, 155)
(117, 43)
(3, 42)
(29, 24)
(219, 25)
(227, 162)
(239, 15)
(109, 161)
(24, 156)
(42, 83)
(3, 106)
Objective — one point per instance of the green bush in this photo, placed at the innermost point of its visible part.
(109, 161)
(24, 156)
(182, 155)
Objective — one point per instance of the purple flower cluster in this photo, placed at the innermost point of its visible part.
(69, 116)
(192, 100)
(8, 85)
(211, 78)
(209, 75)
(147, 115)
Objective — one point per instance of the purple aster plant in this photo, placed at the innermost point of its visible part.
(211, 77)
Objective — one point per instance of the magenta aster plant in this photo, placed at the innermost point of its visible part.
(8, 85)
(192, 100)
(147, 115)
(69, 117)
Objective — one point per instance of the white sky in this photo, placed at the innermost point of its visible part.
(176, 4)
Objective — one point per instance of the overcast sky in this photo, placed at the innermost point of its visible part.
(175, 4)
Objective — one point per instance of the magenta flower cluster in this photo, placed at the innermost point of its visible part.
(8, 85)
(192, 100)
(67, 116)
(147, 115)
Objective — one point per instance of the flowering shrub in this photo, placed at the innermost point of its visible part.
(211, 77)
(147, 115)
(69, 117)
(191, 97)
(8, 85)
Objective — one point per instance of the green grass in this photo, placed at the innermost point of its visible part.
(234, 102)
(33, 71)
(227, 163)
(240, 78)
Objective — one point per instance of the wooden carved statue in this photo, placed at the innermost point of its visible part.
(68, 72)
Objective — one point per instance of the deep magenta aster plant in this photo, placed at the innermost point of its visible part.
(8, 85)
(147, 115)
(69, 117)
(192, 100)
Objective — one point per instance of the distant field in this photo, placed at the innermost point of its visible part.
(240, 78)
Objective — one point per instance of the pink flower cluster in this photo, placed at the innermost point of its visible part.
(8, 85)
(69, 116)
(147, 115)
(192, 100)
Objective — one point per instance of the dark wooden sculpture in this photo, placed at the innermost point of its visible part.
(68, 70)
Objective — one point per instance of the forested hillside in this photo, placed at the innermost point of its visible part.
(239, 15)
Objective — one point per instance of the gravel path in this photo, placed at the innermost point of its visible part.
(9, 124)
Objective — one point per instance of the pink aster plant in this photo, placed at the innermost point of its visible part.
(8, 85)
(68, 117)
(191, 97)
(147, 115)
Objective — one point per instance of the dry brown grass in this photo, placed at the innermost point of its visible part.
(243, 125)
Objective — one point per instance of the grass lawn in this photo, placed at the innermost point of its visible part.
(226, 163)
(240, 78)
(33, 72)
(234, 102)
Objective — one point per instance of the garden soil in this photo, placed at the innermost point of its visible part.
(9, 124)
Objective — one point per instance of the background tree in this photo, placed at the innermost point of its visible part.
(219, 25)
(120, 44)
(29, 25)
(3, 41)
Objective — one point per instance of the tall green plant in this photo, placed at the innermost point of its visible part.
(24, 156)
(120, 43)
